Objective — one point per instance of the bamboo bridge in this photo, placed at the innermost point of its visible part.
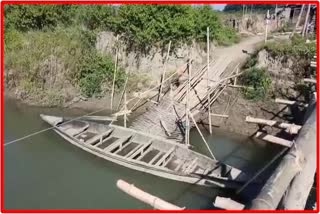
(167, 118)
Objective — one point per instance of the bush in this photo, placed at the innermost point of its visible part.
(257, 83)
(296, 47)
(147, 25)
(95, 70)
(26, 17)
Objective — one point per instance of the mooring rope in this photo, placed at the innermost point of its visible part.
(47, 129)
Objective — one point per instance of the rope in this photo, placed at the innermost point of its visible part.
(47, 129)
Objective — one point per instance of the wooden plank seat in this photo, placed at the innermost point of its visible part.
(155, 158)
(165, 157)
(141, 150)
(118, 144)
(191, 166)
(99, 138)
(144, 153)
(179, 166)
(133, 150)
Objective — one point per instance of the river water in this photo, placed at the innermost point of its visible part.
(46, 172)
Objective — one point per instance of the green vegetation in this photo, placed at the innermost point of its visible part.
(43, 42)
(96, 69)
(300, 53)
(257, 82)
(296, 47)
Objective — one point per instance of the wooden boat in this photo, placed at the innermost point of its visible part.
(144, 152)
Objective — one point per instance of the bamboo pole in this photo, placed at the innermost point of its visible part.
(290, 128)
(289, 102)
(227, 204)
(164, 72)
(219, 115)
(275, 15)
(305, 26)
(298, 21)
(187, 134)
(208, 83)
(204, 140)
(114, 73)
(309, 80)
(273, 139)
(145, 197)
(267, 23)
(235, 79)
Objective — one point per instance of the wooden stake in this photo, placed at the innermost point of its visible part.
(204, 140)
(164, 72)
(114, 73)
(208, 77)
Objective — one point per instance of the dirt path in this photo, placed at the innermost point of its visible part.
(225, 59)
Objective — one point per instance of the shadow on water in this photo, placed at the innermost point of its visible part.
(45, 171)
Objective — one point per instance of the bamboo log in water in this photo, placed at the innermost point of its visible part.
(145, 197)
(227, 204)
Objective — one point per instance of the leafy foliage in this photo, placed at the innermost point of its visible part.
(24, 17)
(94, 71)
(257, 82)
(296, 47)
(35, 33)
(146, 25)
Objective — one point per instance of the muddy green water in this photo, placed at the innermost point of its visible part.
(46, 172)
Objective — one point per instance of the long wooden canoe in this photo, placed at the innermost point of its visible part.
(144, 152)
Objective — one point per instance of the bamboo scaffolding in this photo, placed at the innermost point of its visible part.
(114, 73)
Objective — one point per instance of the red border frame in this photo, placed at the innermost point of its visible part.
(152, 2)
